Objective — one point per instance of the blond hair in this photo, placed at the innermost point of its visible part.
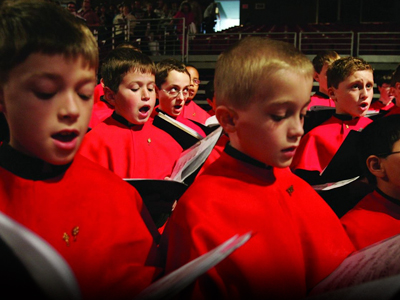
(242, 70)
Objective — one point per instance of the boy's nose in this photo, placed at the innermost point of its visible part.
(296, 129)
(145, 94)
(69, 108)
(180, 95)
(364, 92)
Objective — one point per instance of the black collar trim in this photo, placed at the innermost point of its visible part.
(320, 94)
(26, 166)
(244, 157)
(124, 121)
(344, 117)
(391, 199)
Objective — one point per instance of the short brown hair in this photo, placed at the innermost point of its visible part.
(324, 57)
(121, 61)
(240, 70)
(42, 27)
(165, 66)
(343, 68)
(395, 77)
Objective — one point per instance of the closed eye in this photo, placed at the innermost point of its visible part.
(85, 97)
(277, 118)
(44, 96)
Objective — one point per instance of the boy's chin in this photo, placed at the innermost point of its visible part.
(60, 158)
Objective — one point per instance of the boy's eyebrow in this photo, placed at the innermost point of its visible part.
(177, 86)
(58, 77)
(285, 102)
(140, 81)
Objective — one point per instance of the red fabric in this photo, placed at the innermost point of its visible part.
(98, 92)
(215, 153)
(101, 111)
(132, 152)
(193, 111)
(318, 146)
(317, 100)
(113, 245)
(378, 105)
(395, 110)
(298, 240)
(94, 120)
(373, 219)
(190, 124)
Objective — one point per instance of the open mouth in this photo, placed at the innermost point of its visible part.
(65, 136)
(144, 109)
(291, 149)
(363, 105)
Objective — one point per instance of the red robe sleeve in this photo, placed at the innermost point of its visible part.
(393, 111)
(98, 92)
(94, 220)
(193, 111)
(317, 100)
(318, 146)
(101, 111)
(132, 152)
(373, 219)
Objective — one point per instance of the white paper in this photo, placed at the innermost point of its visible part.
(44, 264)
(192, 158)
(377, 261)
(171, 284)
(333, 185)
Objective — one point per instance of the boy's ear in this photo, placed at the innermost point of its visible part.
(226, 117)
(109, 95)
(331, 93)
(374, 165)
(316, 76)
(157, 92)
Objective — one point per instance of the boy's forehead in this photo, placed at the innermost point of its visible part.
(358, 73)
(136, 72)
(175, 77)
(55, 67)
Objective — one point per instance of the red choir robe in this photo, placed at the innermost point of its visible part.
(374, 218)
(181, 119)
(191, 124)
(101, 111)
(131, 151)
(98, 92)
(298, 240)
(395, 110)
(378, 105)
(319, 145)
(89, 215)
(320, 99)
(215, 152)
(193, 111)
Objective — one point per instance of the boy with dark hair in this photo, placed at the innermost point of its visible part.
(173, 82)
(395, 89)
(89, 215)
(321, 63)
(377, 215)
(127, 143)
(192, 110)
(384, 103)
(297, 239)
(350, 82)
